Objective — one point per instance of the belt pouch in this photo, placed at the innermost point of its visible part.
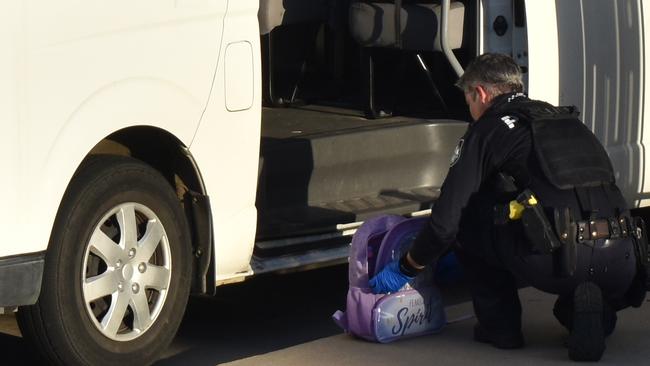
(539, 231)
(566, 258)
(640, 237)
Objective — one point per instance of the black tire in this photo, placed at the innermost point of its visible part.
(60, 324)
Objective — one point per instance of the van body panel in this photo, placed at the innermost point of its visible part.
(78, 71)
(543, 72)
(226, 149)
(85, 69)
(602, 72)
(10, 165)
(644, 199)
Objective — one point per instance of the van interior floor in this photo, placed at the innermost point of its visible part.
(325, 166)
(279, 124)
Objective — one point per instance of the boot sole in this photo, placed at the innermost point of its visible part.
(587, 339)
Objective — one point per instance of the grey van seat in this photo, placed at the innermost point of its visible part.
(287, 29)
(372, 24)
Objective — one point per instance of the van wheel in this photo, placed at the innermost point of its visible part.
(117, 269)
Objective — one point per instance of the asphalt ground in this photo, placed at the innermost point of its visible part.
(285, 320)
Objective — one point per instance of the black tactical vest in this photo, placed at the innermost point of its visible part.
(569, 154)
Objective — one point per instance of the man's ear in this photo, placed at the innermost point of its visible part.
(482, 94)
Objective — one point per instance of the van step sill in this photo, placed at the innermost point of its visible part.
(324, 218)
(301, 261)
(295, 246)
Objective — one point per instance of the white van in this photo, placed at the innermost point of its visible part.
(157, 148)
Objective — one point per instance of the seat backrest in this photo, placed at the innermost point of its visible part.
(274, 13)
(456, 25)
(372, 24)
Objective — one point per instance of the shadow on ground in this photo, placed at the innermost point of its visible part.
(265, 314)
(261, 315)
(15, 351)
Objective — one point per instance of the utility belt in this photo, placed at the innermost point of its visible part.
(610, 228)
(563, 236)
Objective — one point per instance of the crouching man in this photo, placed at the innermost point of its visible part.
(531, 196)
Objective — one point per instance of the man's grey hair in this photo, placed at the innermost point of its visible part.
(497, 73)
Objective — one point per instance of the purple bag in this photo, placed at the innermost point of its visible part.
(415, 310)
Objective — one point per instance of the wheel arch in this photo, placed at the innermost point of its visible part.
(168, 155)
(158, 148)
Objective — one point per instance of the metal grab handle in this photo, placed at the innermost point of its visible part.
(444, 42)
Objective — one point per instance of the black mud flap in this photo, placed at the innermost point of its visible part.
(198, 208)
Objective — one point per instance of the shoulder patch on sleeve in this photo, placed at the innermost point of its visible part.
(510, 121)
(457, 151)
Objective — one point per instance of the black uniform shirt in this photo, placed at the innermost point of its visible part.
(497, 142)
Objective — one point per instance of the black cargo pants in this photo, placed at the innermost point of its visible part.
(496, 261)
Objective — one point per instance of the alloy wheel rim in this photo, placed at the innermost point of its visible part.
(126, 272)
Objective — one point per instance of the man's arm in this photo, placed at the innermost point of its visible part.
(463, 179)
(483, 149)
(483, 152)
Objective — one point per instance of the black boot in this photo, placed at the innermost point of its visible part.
(587, 339)
(563, 311)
